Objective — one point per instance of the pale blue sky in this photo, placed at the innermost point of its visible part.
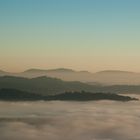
(80, 34)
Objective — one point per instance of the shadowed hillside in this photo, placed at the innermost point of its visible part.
(88, 96)
(17, 95)
(49, 86)
(43, 85)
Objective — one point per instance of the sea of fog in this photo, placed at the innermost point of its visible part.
(59, 120)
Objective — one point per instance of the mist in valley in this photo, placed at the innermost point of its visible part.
(60, 120)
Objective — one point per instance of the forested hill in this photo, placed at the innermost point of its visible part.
(42, 85)
(50, 86)
(17, 95)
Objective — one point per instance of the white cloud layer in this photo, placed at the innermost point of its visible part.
(103, 120)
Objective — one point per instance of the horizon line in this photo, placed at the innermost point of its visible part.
(75, 70)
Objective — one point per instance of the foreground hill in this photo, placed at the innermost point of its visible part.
(17, 95)
(88, 96)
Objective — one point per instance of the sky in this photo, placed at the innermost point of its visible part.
(89, 35)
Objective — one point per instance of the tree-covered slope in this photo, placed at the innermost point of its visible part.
(17, 95)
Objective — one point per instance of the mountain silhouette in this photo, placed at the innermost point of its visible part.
(48, 85)
(18, 95)
(106, 77)
(44, 85)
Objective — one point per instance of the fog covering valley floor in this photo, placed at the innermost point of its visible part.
(61, 120)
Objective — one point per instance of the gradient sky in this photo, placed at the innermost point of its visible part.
(80, 34)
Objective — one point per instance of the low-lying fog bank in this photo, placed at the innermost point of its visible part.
(58, 120)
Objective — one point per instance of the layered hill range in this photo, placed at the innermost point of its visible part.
(51, 86)
(107, 77)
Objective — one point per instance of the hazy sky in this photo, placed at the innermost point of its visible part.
(80, 34)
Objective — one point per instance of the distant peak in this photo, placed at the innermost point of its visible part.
(62, 70)
(50, 70)
(114, 71)
(35, 70)
(45, 78)
(84, 71)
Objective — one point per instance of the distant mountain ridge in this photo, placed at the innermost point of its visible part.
(106, 77)
(115, 71)
(50, 70)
